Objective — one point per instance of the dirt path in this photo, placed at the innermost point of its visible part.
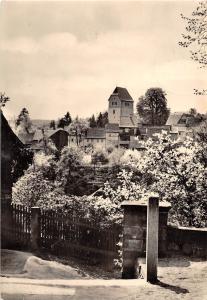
(179, 278)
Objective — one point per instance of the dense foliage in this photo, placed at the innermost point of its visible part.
(177, 170)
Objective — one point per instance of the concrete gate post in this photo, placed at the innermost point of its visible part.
(135, 231)
(35, 228)
(152, 238)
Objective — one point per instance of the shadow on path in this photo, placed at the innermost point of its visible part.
(174, 288)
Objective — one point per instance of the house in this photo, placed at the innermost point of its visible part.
(26, 138)
(35, 140)
(10, 147)
(112, 135)
(181, 123)
(95, 137)
(10, 144)
(145, 132)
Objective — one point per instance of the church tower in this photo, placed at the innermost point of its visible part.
(121, 108)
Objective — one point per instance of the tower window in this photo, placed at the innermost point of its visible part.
(114, 103)
(114, 111)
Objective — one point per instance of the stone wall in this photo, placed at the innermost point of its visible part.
(187, 241)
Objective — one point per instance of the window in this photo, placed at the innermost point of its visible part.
(126, 103)
(114, 103)
(114, 111)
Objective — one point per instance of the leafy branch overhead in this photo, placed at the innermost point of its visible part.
(3, 100)
(196, 37)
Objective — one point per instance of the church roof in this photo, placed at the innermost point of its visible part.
(128, 121)
(123, 93)
(112, 127)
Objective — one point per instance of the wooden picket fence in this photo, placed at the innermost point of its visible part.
(72, 236)
(65, 236)
(18, 229)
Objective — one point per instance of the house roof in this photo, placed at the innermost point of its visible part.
(150, 131)
(174, 118)
(95, 133)
(123, 93)
(38, 135)
(26, 137)
(8, 136)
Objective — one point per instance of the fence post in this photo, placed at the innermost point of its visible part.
(152, 238)
(35, 227)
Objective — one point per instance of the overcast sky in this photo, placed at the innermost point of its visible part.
(69, 56)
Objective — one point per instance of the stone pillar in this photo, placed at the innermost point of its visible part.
(134, 234)
(152, 238)
(35, 228)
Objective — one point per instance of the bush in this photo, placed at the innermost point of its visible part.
(99, 156)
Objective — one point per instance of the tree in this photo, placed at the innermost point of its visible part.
(102, 119)
(3, 100)
(21, 161)
(92, 122)
(37, 182)
(175, 170)
(152, 107)
(193, 111)
(195, 37)
(52, 124)
(200, 135)
(105, 118)
(78, 128)
(65, 121)
(23, 122)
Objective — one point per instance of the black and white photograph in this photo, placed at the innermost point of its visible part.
(103, 150)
